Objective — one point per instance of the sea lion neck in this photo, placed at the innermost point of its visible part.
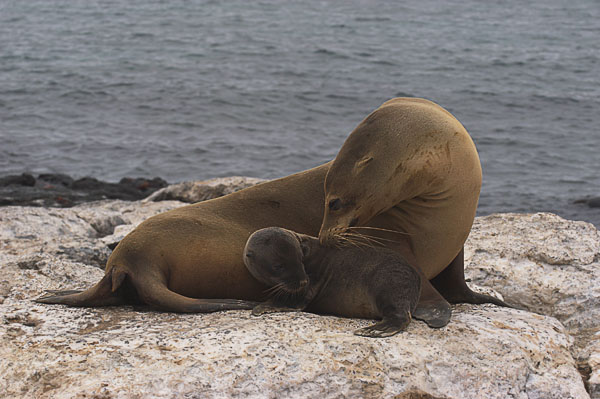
(282, 198)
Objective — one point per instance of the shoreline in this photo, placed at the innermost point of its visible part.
(63, 191)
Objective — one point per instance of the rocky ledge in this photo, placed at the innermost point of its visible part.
(547, 265)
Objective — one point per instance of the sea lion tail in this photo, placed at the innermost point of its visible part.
(158, 295)
(104, 293)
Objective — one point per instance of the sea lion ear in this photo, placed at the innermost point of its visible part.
(305, 248)
(303, 244)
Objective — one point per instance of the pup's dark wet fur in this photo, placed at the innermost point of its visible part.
(364, 282)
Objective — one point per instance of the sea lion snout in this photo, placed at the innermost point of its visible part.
(295, 284)
(334, 228)
(327, 237)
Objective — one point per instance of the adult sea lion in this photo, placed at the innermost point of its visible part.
(410, 175)
(172, 259)
(409, 166)
(365, 282)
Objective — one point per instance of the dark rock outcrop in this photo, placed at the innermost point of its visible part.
(59, 190)
(593, 202)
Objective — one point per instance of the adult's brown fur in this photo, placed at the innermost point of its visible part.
(196, 251)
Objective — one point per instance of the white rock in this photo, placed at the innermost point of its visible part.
(70, 233)
(548, 265)
(593, 364)
(60, 352)
(541, 262)
(196, 191)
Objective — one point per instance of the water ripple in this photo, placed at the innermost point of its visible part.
(191, 90)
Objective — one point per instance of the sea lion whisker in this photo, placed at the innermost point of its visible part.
(296, 290)
(270, 289)
(361, 244)
(359, 240)
(386, 239)
(379, 229)
(367, 239)
(274, 288)
(378, 238)
(345, 239)
(280, 293)
(352, 239)
(337, 242)
(271, 292)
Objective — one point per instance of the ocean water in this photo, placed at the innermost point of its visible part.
(197, 89)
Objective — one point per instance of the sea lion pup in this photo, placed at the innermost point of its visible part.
(362, 281)
(408, 177)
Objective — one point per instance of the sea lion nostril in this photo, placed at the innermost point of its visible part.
(353, 222)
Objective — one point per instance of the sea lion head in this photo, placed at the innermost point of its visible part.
(357, 187)
(274, 256)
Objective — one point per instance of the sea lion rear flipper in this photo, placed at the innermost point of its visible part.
(100, 294)
(432, 308)
(62, 293)
(451, 285)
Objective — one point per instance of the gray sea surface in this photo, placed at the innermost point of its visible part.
(189, 90)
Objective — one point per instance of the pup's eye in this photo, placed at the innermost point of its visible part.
(335, 204)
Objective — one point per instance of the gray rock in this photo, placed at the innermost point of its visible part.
(58, 190)
(548, 265)
(593, 366)
(593, 202)
(541, 262)
(71, 233)
(196, 191)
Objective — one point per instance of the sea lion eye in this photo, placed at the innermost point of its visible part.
(335, 204)
(364, 162)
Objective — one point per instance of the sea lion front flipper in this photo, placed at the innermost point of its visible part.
(385, 328)
(432, 308)
(451, 284)
(268, 307)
